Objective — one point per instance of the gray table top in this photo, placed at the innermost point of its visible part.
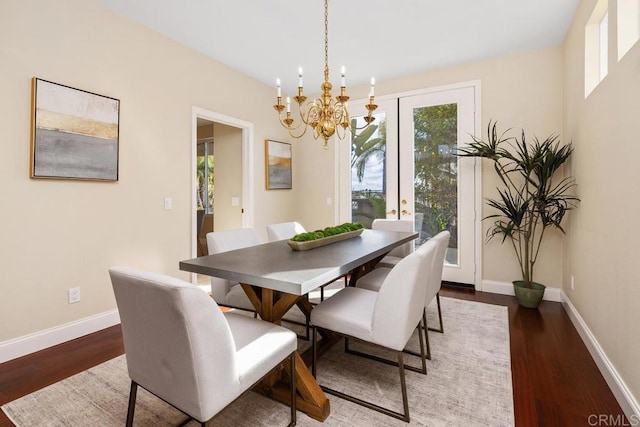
(275, 266)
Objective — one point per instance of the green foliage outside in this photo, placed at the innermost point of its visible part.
(365, 145)
(205, 190)
(435, 169)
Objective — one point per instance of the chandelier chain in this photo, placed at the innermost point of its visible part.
(326, 40)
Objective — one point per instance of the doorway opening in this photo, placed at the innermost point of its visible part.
(222, 177)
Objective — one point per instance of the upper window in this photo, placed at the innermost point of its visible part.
(596, 47)
(603, 34)
(628, 25)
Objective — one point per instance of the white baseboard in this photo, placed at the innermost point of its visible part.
(623, 395)
(28, 344)
(504, 288)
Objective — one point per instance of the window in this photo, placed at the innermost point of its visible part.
(596, 47)
(628, 25)
(603, 34)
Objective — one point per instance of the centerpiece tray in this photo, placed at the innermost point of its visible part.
(311, 244)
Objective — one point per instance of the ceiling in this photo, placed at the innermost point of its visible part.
(269, 39)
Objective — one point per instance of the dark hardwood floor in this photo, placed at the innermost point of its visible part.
(555, 380)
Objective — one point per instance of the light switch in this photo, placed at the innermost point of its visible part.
(168, 203)
(235, 201)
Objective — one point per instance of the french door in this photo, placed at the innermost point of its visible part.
(404, 167)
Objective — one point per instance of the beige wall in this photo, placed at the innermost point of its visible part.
(62, 234)
(227, 151)
(603, 238)
(519, 91)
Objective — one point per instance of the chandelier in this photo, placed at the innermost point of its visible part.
(324, 115)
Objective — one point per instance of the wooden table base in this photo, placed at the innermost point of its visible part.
(310, 398)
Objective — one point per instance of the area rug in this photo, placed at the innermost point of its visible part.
(468, 384)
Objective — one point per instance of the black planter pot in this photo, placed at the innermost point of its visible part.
(528, 297)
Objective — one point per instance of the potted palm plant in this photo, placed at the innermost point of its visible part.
(531, 200)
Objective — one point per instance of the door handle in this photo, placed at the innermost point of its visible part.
(404, 201)
(392, 212)
(404, 212)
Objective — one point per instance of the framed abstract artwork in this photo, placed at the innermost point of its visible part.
(74, 133)
(277, 165)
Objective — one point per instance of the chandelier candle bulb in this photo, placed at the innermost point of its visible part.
(372, 89)
(343, 81)
(288, 104)
(279, 90)
(300, 77)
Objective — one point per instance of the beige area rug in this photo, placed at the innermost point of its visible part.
(468, 384)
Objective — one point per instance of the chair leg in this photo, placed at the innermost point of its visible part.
(403, 384)
(292, 359)
(426, 334)
(314, 350)
(423, 356)
(441, 330)
(132, 403)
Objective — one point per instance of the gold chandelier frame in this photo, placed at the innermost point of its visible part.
(324, 115)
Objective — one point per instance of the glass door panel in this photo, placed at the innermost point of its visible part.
(373, 166)
(437, 187)
(436, 173)
(368, 171)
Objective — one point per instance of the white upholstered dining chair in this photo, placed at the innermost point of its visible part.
(433, 278)
(223, 291)
(180, 347)
(284, 230)
(386, 318)
(229, 293)
(396, 254)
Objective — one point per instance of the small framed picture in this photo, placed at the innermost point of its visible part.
(74, 133)
(277, 165)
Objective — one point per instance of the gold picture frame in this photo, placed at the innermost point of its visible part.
(278, 160)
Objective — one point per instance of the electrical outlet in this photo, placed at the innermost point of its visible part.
(74, 295)
(572, 284)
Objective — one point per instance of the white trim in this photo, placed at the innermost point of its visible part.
(477, 165)
(506, 288)
(248, 172)
(31, 343)
(618, 387)
(432, 89)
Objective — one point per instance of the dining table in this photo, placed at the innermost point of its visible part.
(275, 278)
